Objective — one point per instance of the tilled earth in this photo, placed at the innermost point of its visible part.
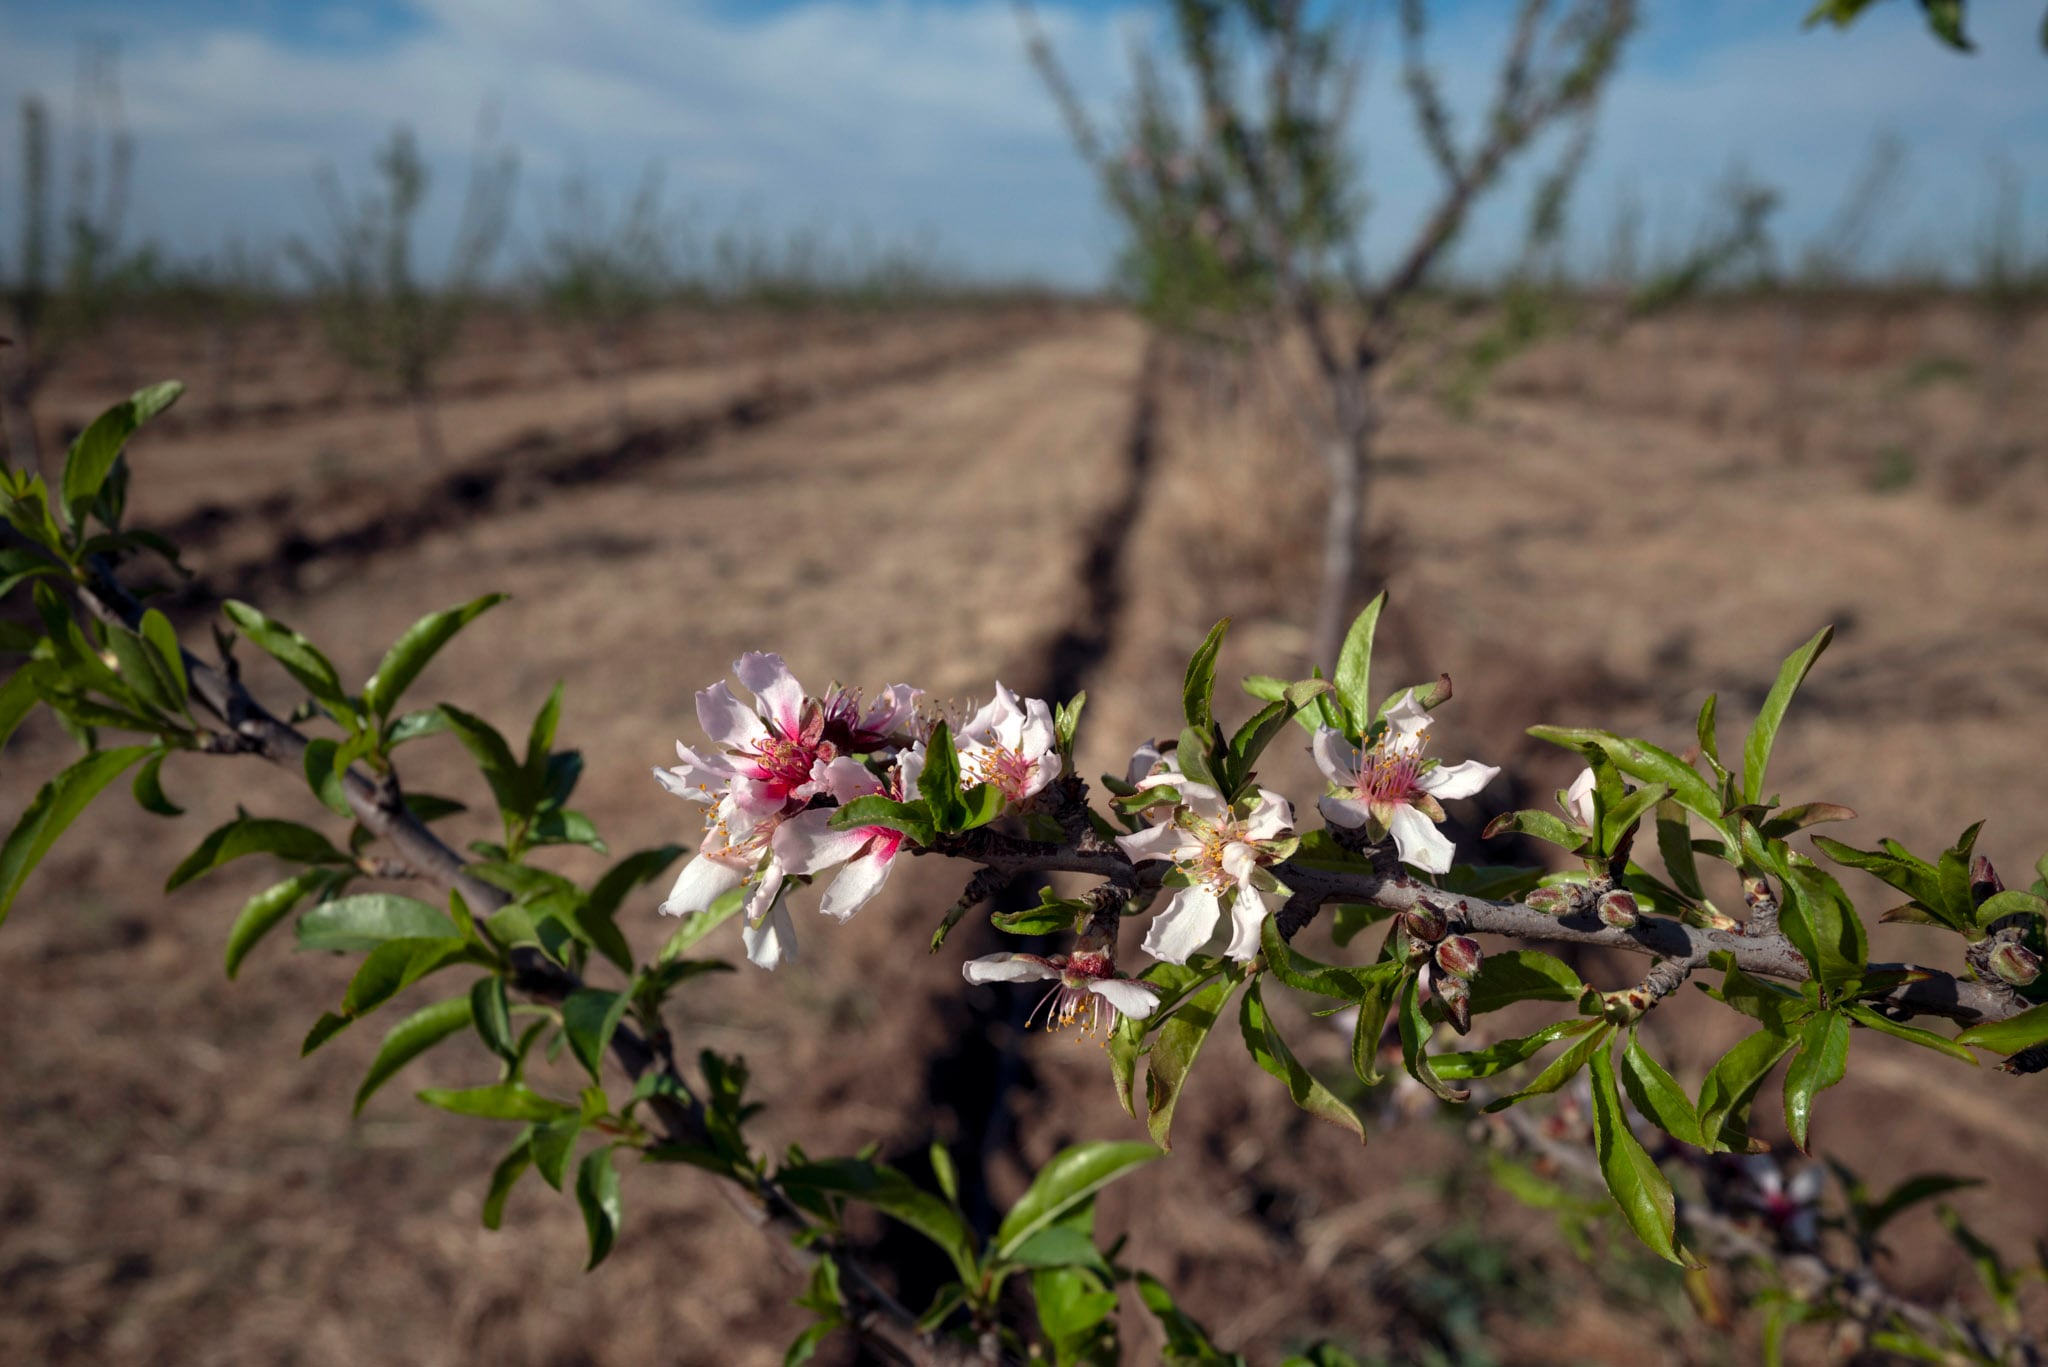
(1024, 494)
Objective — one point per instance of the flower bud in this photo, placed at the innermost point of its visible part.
(1457, 1000)
(1551, 901)
(2010, 960)
(1985, 883)
(1459, 956)
(1756, 891)
(1617, 909)
(1425, 923)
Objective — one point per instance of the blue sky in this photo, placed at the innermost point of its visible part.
(905, 119)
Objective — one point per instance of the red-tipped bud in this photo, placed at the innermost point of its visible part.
(1756, 891)
(1617, 908)
(1985, 883)
(1457, 1000)
(1551, 901)
(1425, 923)
(2015, 963)
(1459, 956)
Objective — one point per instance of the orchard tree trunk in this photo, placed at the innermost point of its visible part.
(427, 420)
(1347, 454)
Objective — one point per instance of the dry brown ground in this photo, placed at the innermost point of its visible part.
(1620, 529)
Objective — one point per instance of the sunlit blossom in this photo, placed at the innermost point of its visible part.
(1394, 787)
(1011, 744)
(1088, 989)
(1220, 852)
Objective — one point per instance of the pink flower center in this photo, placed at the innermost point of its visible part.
(785, 764)
(1388, 775)
(1008, 770)
(1075, 998)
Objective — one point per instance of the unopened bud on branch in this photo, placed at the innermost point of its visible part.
(1551, 901)
(1618, 909)
(2015, 963)
(1459, 956)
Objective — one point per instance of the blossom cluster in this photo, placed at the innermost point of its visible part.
(777, 771)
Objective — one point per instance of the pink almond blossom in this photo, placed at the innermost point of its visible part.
(1088, 988)
(1011, 744)
(1393, 787)
(807, 844)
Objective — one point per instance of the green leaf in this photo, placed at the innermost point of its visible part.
(1353, 676)
(1912, 1034)
(553, 1145)
(597, 1194)
(590, 1016)
(1562, 1069)
(1621, 818)
(1779, 1009)
(1657, 1094)
(1060, 1246)
(1732, 1082)
(609, 893)
(1822, 1060)
(1756, 751)
(149, 787)
(55, 806)
(163, 639)
(366, 920)
(943, 1171)
(1073, 1175)
(19, 694)
(2023, 1031)
(697, 926)
(896, 1196)
(1641, 760)
(1496, 1058)
(1674, 843)
(410, 653)
(1271, 1053)
(410, 1038)
(1541, 825)
(1415, 1031)
(1174, 1052)
(261, 913)
(136, 661)
(1520, 975)
(287, 840)
(914, 819)
(490, 1010)
(504, 1177)
(1633, 1177)
(1198, 689)
(515, 795)
(392, 967)
(939, 783)
(301, 659)
(1304, 974)
(499, 1101)
(323, 776)
(93, 454)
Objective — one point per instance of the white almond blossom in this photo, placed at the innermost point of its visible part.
(1578, 799)
(1220, 852)
(737, 851)
(807, 844)
(1088, 989)
(1011, 744)
(1393, 787)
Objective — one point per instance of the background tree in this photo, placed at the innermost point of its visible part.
(380, 315)
(602, 275)
(1243, 209)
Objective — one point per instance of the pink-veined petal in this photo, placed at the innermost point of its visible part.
(1007, 968)
(806, 843)
(1419, 841)
(1131, 998)
(1335, 756)
(772, 943)
(1272, 818)
(727, 720)
(1185, 926)
(703, 881)
(1457, 780)
(1042, 773)
(1348, 812)
(1159, 842)
(846, 779)
(890, 709)
(856, 884)
(1578, 799)
(776, 691)
(987, 724)
(765, 895)
(1247, 915)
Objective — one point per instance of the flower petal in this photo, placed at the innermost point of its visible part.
(1131, 998)
(1036, 735)
(1578, 799)
(1247, 915)
(1457, 780)
(1185, 926)
(703, 881)
(890, 709)
(1419, 841)
(1335, 756)
(856, 884)
(806, 843)
(776, 691)
(773, 942)
(1348, 812)
(1407, 717)
(1007, 968)
(1272, 818)
(1144, 760)
(1158, 842)
(846, 779)
(727, 720)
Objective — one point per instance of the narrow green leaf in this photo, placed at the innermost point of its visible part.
(1073, 1175)
(1732, 1082)
(508, 779)
(366, 920)
(914, 819)
(261, 913)
(939, 783)
(1756, 751)
(1633, 1177)
(96, 449)
(410, 1038)
(410, 653)
(590, 1016)
(19, 694)
(163, 639)
(300, 657)
(1674, 843)
(896, 1196)
(287, 840)
(395, 965)
(1657, 1094)
(504, 1177)
(1822, 1060)
(1562, 1069)
(1272, 1053)
(149, 787)
(490, 1010)
(1415, 1031)
(1198, 689)
(1353, 676)
(597, 1194)
(2024, 1031)
(1495, 1058)
(55, 806)
(1520, 975)
(499, 1101)
(1173, 1053)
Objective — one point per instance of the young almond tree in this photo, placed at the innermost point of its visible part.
(1243, 206)
(602, 276)
(380, 314)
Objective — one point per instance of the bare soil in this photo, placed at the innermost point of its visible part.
(1027, 494)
